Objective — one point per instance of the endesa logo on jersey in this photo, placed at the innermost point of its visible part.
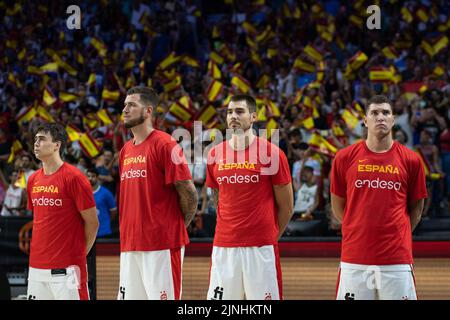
(46, 202)
(378, 183)
(133, 173)
(236, 178)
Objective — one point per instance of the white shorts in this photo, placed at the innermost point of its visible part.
(385, 282)
(252, 273)
(151, 275)
(57, 284)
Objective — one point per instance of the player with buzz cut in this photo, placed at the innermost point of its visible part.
(377, 191)
(65, 221)
(251, 183)
(157, 202)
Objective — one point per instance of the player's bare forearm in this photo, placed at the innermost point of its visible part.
(337, 207)
(188, 199)
(284, 199)
(415, 209)
(90, 227)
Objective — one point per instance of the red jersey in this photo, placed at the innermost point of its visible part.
(247, 213)
(376, 227)
(58, 228)
(150, 215)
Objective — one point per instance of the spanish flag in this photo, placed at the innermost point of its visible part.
(26, 116)
(21, 181)
(44, 114)
(272, 52)
(14, 80)
(406, 15)
(51, 67)
(67, 97)
(350, 119)
(79, 57)
(427, 48)
(273, 109)
(263, 81)
(206, 114)
(240, 83)
(34, 70)
(357, 21)
(214, 56)
(214, 90)
(381, 74)
(99, 46)
(271, 125)
(314, 53)
(254, 56)
(89, 145)
(105, 117)
(303, 66)
(249, 28)
(168, 61)
(261, 114)
(390, 52)
(263, 36)
(440, 44)
(16, 147)
(22, 54)
(108, 95)
(188, 60)
(73, 133)
(186, 102)
(91, 121)
(91, 79)
(180, 112)
(172, 84)
(48, 96)
(322, 145)
(213, 70)
(308, 123)
(356, 62)
(422, 14)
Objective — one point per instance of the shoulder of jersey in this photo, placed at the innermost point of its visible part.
(349, 149)
(72, 171)
(407, 153)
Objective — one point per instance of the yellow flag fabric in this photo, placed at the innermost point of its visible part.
(89, 145)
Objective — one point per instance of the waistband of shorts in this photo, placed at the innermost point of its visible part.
(56, 275)
(366, 267)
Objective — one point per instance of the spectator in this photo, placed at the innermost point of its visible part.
(307, 196)
(105, 203)
(15, 199)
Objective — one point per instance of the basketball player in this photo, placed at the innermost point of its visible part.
(157, 202)
(64, 221)
(377, 191)
(252, 187)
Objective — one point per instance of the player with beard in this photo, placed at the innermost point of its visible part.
(157, 202)
(251, 182)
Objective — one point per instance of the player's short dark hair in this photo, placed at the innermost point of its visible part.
(249, 101)
(379, 99)
(147, 95)
(57, 132)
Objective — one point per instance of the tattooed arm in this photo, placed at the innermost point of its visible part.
(215, 195)
(188, 199)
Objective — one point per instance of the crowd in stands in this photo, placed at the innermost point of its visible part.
(312, 66)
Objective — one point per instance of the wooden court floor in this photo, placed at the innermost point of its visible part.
(303, 278)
